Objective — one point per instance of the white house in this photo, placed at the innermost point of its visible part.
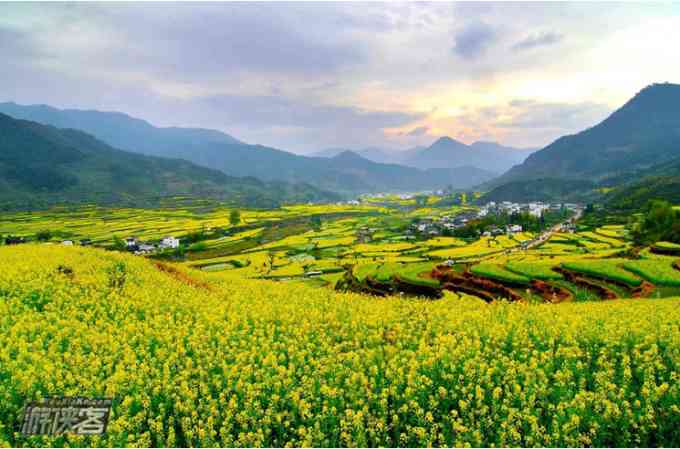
(515, 228)
(67, 242)
(170, 242)
(130, 241)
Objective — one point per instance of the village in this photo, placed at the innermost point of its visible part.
(131, 244)
(448, 224)
(489, 220)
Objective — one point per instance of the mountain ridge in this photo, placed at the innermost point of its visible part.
(41, 165)
(235, 158)
(643, 132)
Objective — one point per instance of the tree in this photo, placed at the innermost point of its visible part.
(660, 222)
(316, 223)
(234, 217)
(118, 243)
(43, 236)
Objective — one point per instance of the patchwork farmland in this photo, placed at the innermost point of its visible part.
(375, 247)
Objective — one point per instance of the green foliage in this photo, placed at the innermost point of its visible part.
(44, 235)
(118, 244)
(316, 223)
(661, 222)
(543, 189)
(198, 246)
(421, 200)
(411, 273)
(234, 217)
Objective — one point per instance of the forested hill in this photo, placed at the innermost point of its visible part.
(642, 133)
(42, 165)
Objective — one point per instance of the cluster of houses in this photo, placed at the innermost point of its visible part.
(83, 242)
(536, 209)
(434, 226)
(131, 244)
(143, 248)
(11, 240)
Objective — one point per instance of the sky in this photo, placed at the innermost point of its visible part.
(308, 76)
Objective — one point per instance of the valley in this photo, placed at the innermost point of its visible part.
(339, 225)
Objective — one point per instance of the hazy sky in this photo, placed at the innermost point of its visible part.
(305, 76)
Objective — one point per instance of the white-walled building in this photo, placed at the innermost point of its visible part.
(170, 242)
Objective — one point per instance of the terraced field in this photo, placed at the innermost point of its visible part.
(607, 269)
(499, 273)
(317, 245)
(535, 270)
(657, 271)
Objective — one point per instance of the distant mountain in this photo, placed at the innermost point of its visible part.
(222, 152)
(444, 153)
(122, 131)
(380, 155)
(448, 153)
(376, 177)
(43, 165)
(642, 133)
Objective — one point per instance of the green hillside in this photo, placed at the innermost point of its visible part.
(642, 133)
(545, 189)
(42, 165)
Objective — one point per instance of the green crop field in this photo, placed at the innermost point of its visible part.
(499, 273)
(534, 270)
(657, 271)
(412, 273)
(611, 269)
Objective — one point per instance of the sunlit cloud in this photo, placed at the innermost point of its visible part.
(304, 76)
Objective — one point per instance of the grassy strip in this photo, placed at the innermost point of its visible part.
(608, 269)
(657, 271)
(542, 271)
(499, 273)
(411, 273)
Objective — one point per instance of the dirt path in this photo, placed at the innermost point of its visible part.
(182, 277)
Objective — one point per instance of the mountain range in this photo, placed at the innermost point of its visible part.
(347, 174)
(445, 152)
(633, 153)
(41, 165)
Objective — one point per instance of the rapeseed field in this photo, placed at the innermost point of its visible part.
(192, 358)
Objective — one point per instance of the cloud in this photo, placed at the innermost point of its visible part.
(417, 132)
(566, 117)
(542, 39)
(282, 111)
(474, 40)
(310, 75)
